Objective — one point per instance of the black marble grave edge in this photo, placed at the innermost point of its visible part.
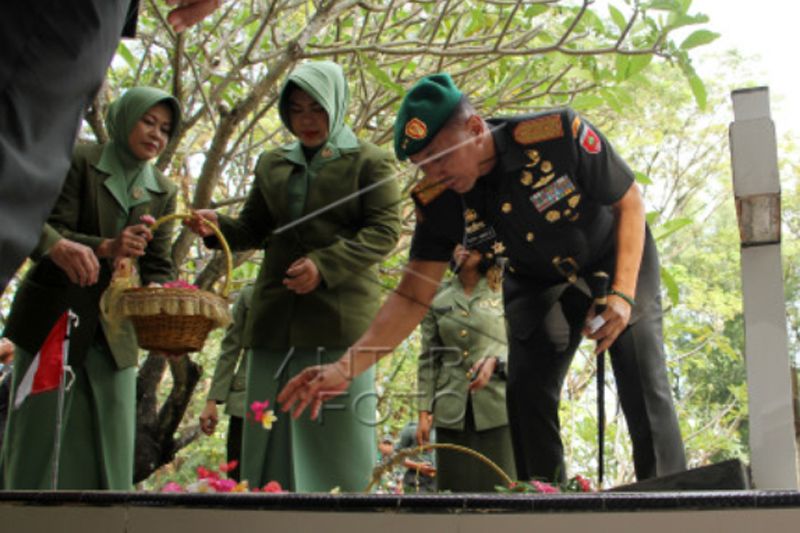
(438, 503)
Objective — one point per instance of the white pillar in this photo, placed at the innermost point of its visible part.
(756, 188)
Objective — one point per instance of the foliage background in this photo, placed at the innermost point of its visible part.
(625, 64)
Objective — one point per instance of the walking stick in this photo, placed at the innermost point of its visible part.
(599, 286)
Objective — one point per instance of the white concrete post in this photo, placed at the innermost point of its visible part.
(756, 188)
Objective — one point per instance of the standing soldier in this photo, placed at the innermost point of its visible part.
(461, 376)
(548, 194)
(228, 383)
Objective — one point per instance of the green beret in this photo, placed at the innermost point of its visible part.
(424, 111)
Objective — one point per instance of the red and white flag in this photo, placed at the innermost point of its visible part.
(47, 368)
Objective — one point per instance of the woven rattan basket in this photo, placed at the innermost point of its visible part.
(177, 320)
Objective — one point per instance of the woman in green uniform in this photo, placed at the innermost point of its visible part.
(95, 222)
(329, 205)
(461, 377)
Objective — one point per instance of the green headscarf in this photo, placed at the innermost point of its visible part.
(117, 160)
(324, 82)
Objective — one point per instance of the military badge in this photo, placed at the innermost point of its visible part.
(506, 207)
(590, 141)
(137, 193)
(326, 152)
(470, 215)
(574, 200)
(416, 129)
(475, 226)
(498, 247)
(529, 237)
(428, 189)
(547, 167)
(527, 178)
(539, 129)
(576, 124)
(534, 156)
(544, 198)
(544, 180)
(552, 216)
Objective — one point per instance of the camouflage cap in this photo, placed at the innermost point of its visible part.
(425, 109)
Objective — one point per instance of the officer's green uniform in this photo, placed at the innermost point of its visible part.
(346, 233)
(459, 330)
(546, 209)
(106, 190)
(230, 376)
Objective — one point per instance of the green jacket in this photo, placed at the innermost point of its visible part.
(230, 373)
(88, 213)
(348, 233)
(457, 331)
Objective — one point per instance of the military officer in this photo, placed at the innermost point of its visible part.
(228, 383)
(547, 193)
(461, 374)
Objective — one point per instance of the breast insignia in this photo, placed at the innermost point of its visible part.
(534, 156)
(527, 178)
(544, 180)
(552, 216)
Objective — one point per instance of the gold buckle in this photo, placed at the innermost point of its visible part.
(567, 267)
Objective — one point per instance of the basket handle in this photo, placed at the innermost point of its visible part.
(228, 256)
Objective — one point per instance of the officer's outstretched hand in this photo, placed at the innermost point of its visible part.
(313, 386)
(615, 319)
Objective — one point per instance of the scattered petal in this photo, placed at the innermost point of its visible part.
(268, 419)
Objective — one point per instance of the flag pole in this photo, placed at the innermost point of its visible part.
(62, 388)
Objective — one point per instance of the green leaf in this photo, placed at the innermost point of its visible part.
(618, 18)
(126, 54)
(382, 77)
(698, 90)
(671, 286)
(583, 102)
(699, 38)
(612, 100)
(671, 226)
(642, 178)
(652, 217)
(638, 63)
(622, 64)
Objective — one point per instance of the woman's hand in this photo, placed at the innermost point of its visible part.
(615, 319)
(209, 418)
(313, 386)
(482, 370)
(196, 224)
(77, 260)
(132, 242)
(302, 276)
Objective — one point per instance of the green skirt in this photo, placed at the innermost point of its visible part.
(304, 455)
(459, 472)
(98, 429)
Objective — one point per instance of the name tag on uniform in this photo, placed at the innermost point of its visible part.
(551, 194)
(480, 235)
